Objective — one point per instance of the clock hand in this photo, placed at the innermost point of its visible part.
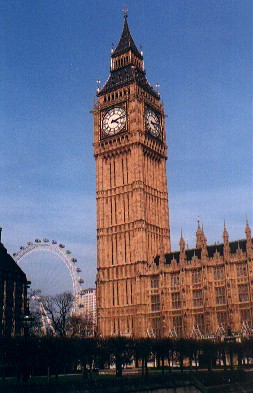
(116, 120)
(155, 124)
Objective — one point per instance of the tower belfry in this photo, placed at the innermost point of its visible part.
(131, 190)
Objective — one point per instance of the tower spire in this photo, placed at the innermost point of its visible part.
(226, 242)
(126, 42)
(248, 231)
(127, 64)
(200, 237)
(125, 11)
(182, 243)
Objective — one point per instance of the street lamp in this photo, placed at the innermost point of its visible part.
(26, 321)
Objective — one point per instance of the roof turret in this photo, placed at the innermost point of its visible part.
(182, 244)
(247, 229)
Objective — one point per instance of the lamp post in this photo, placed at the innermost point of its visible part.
(27, 321)
(230, 339)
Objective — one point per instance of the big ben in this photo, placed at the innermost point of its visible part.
(131, 190)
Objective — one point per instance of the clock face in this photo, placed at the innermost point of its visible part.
(114, 121)
(152, 123)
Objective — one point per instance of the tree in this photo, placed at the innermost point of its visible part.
(58, 309)
(81, 325)
(120, 349)
(35, 310)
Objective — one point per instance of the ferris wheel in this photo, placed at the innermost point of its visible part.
(50, 276)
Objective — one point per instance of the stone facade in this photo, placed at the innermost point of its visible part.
(137, 295)
(13, 294)
(203, 291)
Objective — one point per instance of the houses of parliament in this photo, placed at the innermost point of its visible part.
(143, 288)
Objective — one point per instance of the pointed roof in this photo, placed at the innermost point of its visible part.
(225, 232)
(126, 42)
(8, 267)
(199, 231)
(127, 73)
(125, 76)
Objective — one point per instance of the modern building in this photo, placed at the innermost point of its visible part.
(190, 292)
(87, 302)
(13, 294)
(87, 310)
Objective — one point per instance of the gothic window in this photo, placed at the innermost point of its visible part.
(176, 302)
(220, 295)
(131, 293)
(196, 276)
(155, 303)
(156, 326)
(197, 298)
(200, 322)
(245, 316)
(241, 270)
(174, 280)
(222, 318)
(154, 283)
(113, 296)
(177, 324)
(243, 293)
(218, 272)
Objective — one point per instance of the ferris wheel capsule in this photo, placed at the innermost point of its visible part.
(78, 270)
(45, 240)
(59, 252)
(68, 252)
(54, 242)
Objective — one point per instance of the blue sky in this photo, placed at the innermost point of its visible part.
(199, 51)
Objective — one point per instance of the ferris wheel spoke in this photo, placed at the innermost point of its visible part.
(50, 275)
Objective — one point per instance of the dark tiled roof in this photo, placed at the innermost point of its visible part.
(211, 250)
(126, 43)
(193, 252)
(173, 255)
(234, 246)
(8, 266)
(126, 75)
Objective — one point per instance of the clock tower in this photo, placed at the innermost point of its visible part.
(131, 190)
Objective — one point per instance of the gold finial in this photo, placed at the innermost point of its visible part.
(157, 88)
(98, 85)
(125, 10)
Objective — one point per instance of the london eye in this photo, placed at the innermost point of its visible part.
(49, 275)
